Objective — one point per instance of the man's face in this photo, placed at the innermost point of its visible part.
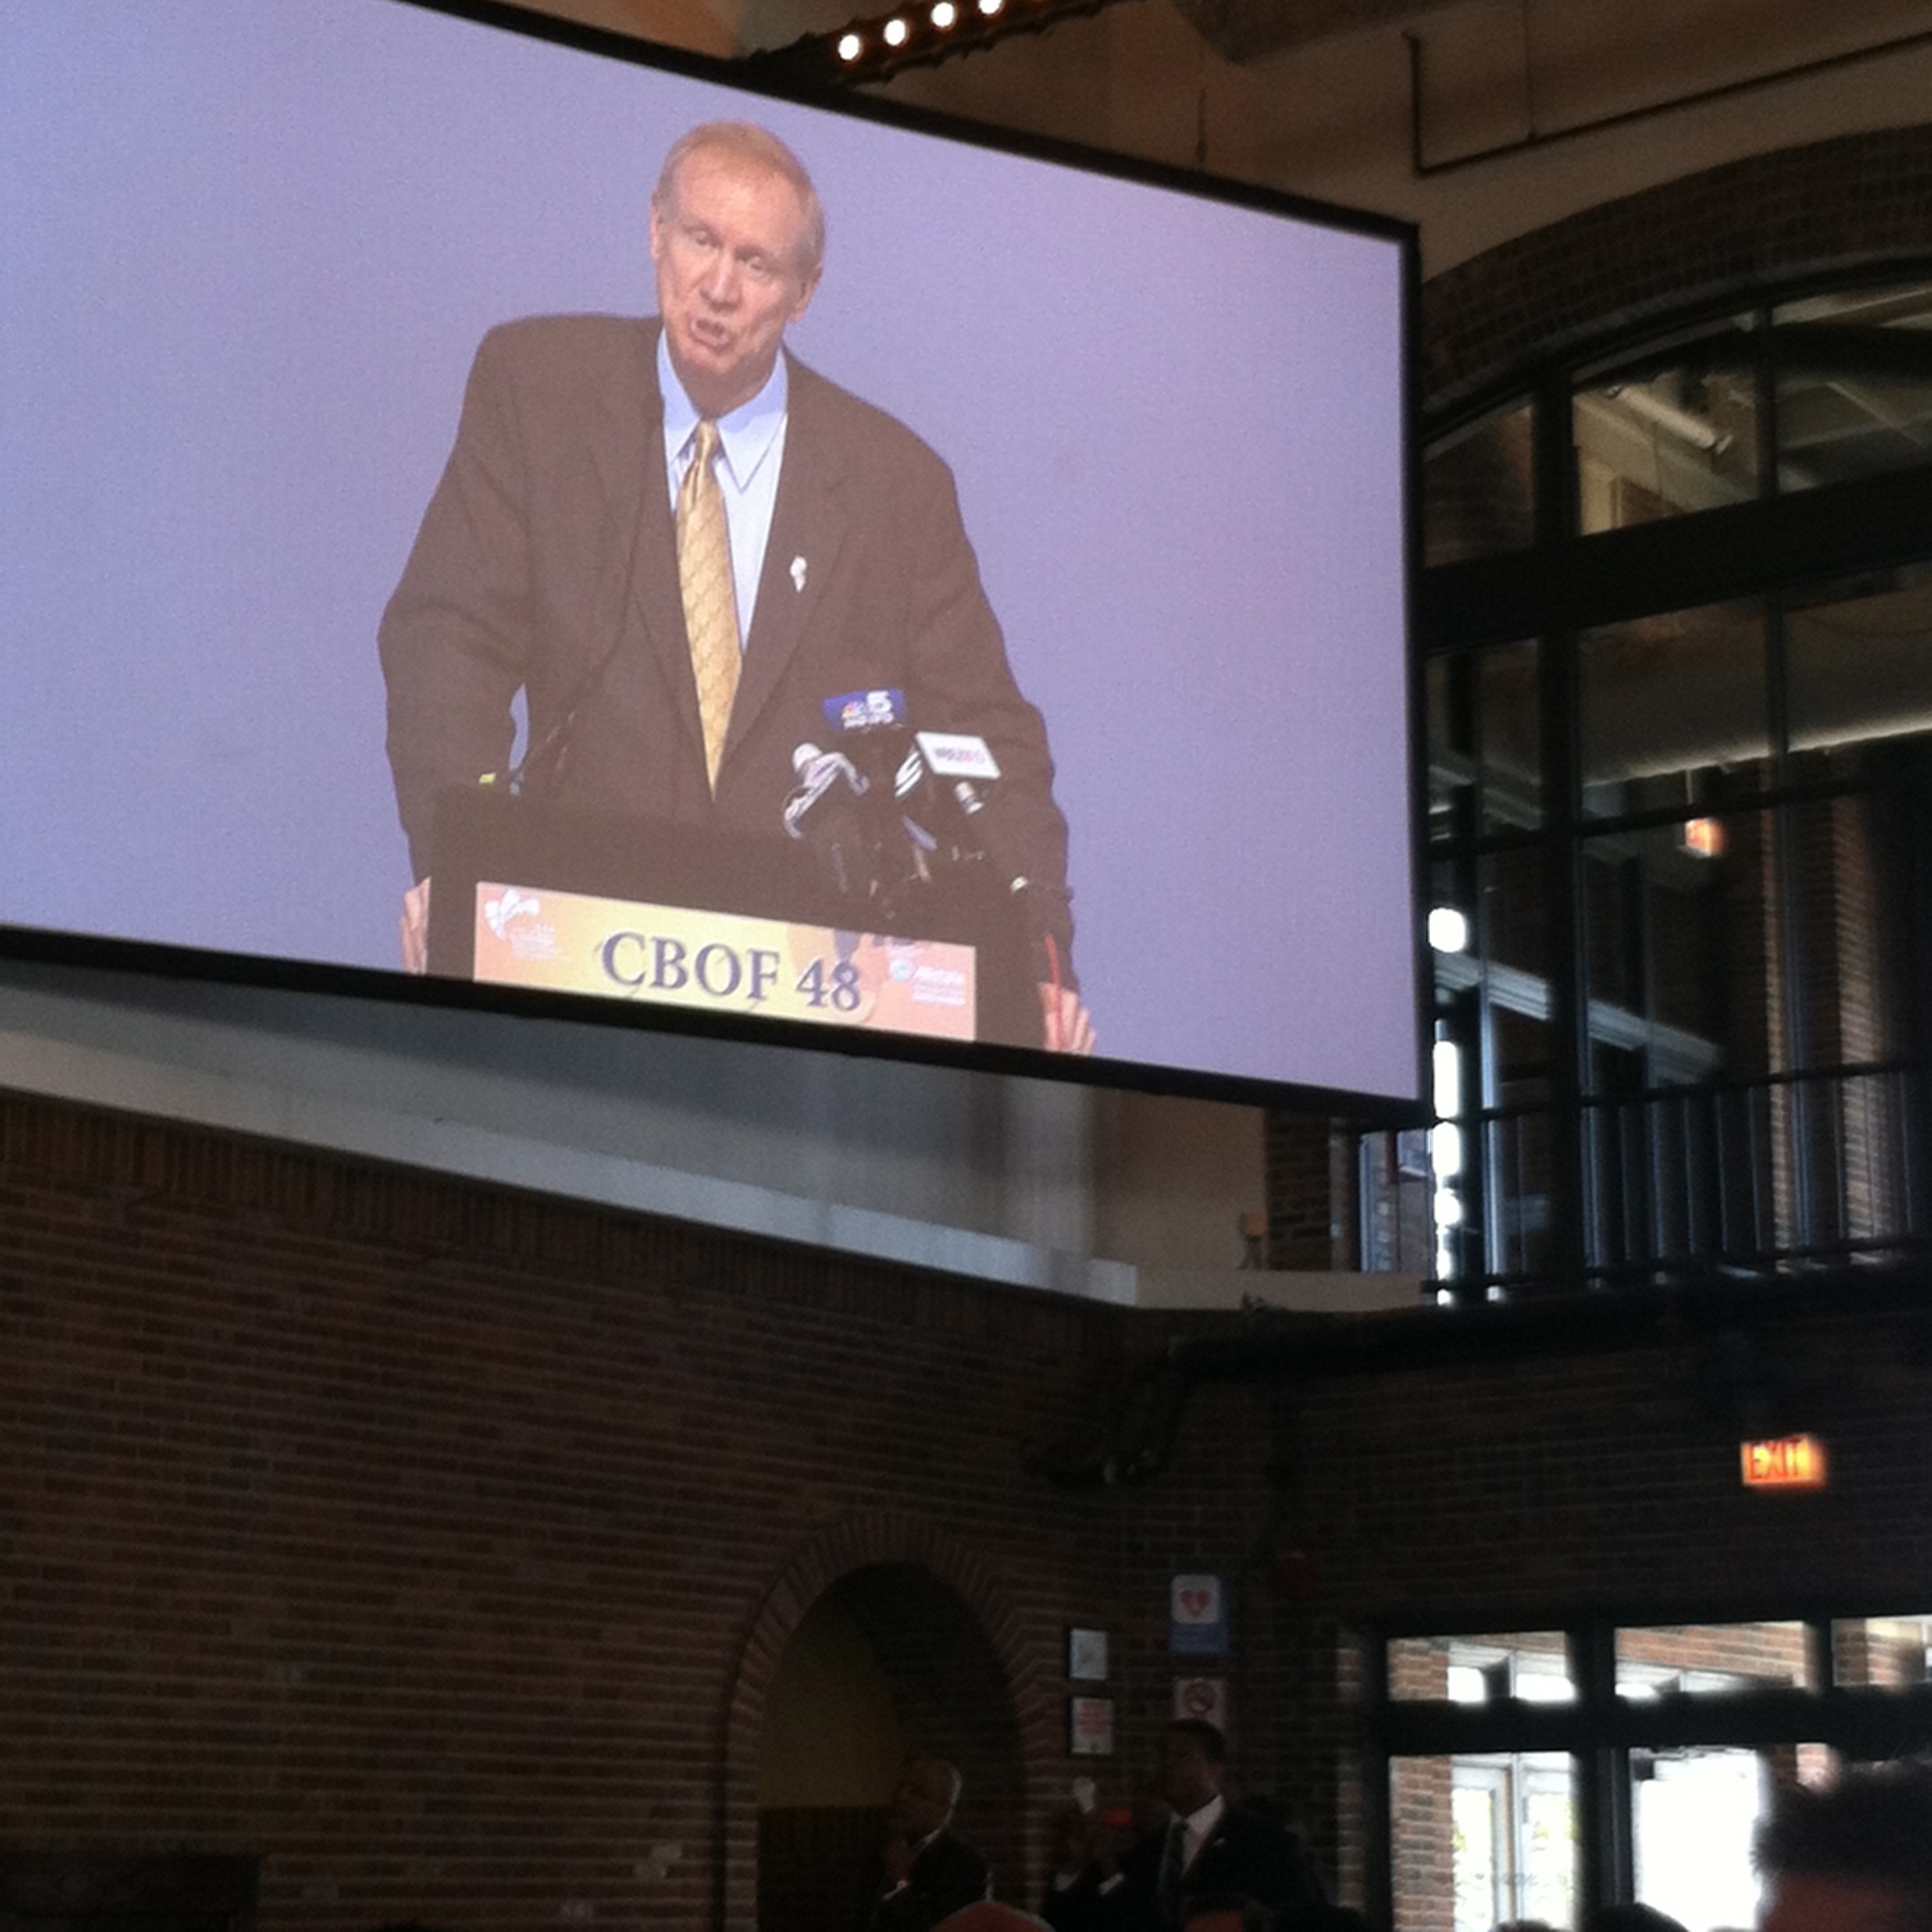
(1188, 1778)
(1803, 1902)
(923, 1801)
(727, 241)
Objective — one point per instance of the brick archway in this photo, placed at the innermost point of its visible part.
(1854, 202)
(870, 1541)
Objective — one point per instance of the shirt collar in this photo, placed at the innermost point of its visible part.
(747, 434)
(1200, 1823)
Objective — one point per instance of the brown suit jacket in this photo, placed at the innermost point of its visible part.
(547, 562)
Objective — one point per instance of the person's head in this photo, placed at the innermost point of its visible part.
(1852, 1856)
(990, 1917)
(1193, 1763)
(738, 237)
(1231, 1913)
(1149, 1814)
(927, 1792)
(1629, 1918)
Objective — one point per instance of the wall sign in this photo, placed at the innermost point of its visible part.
(1198, 1616)
(1783, 1462)
(1086, 1656)
(1204, 1698)
(1089, 1727)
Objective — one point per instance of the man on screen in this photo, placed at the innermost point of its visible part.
(680, 543)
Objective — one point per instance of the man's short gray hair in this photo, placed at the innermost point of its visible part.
(749, 141)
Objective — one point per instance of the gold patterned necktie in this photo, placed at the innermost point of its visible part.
(710, 601)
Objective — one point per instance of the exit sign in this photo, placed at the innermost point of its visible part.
(1784, 1462)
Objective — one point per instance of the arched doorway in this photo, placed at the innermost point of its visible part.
(887, 1662)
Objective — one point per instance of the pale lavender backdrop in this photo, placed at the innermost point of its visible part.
(248, 252)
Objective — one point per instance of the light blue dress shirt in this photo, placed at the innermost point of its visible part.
(752, 437)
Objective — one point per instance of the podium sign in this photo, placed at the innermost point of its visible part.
(722, 962)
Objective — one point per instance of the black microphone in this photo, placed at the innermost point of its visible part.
(873, 729)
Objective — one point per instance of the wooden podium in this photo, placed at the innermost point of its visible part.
(609, 905)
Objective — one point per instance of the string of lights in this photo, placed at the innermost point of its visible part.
(918, 35)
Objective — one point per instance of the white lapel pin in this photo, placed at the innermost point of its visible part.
(797, 573)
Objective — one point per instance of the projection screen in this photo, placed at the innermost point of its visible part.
(1151, 430)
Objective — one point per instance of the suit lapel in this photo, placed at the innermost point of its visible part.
(808, 529)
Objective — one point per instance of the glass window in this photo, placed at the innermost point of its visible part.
(1480, 1825)
(1883, 1653)
(1747, 888)
(1664, 966)
(1858, 664)
(1484, 741)
(1481, 1837)
(1692, 1814)
(1855, 384)
(1513, 925)
(1665, 445)
(1843, 877)
(1675, 709)
(1511, 1066)
(1706, 1660)
(1518, 1172)
(1397, 1202)
(1532, 1666)
(1477, 488)
(1494, 1832)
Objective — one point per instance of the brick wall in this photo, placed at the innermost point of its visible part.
(438, 1544)
(1858, 202)
(1608, 1478)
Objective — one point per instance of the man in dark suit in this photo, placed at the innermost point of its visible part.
(1217, 1852)
(929, 1873)
(556, 560)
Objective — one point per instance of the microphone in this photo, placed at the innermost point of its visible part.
(958, 755)
(871, 727)
(817, 773)
(823, 813)
(958, 807)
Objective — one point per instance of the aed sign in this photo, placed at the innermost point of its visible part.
(1783, 1462)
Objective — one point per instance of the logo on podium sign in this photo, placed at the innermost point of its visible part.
(1198, 1616)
